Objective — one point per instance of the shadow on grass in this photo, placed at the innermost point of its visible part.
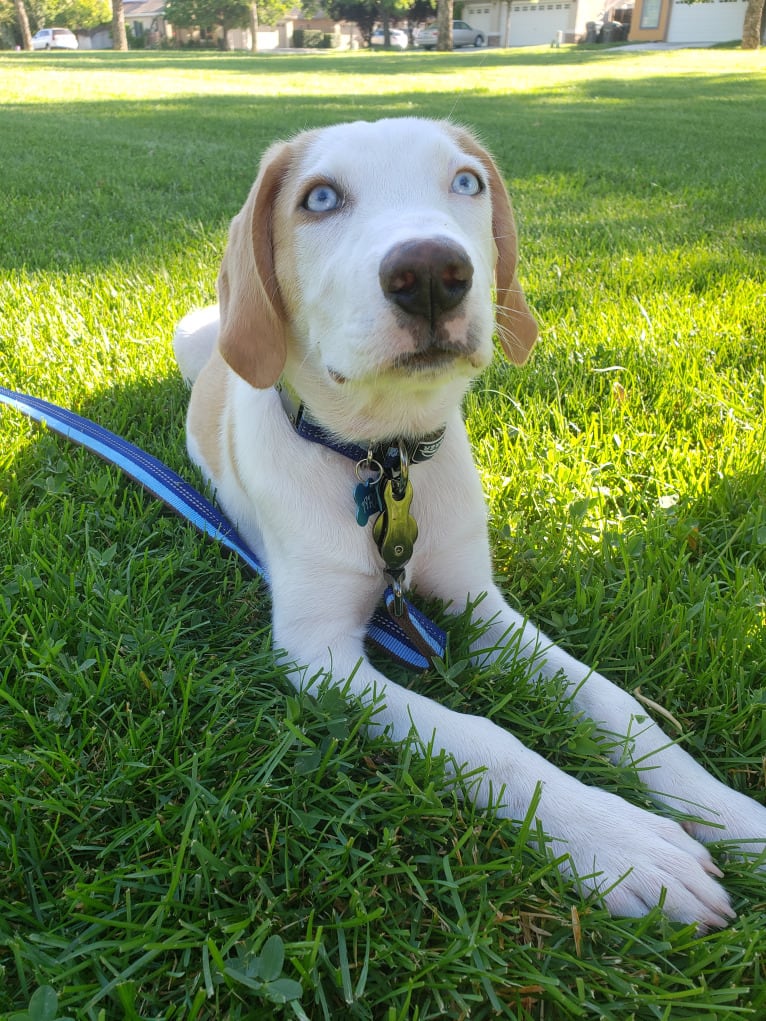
(348, 62)
(69, 511)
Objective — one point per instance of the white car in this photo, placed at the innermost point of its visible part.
(54, 39)
(399, 38)
(462, 35)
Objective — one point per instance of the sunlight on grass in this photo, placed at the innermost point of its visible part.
(89, 76)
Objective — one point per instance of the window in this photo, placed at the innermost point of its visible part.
(650, 14)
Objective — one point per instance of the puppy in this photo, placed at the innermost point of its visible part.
(355, 306)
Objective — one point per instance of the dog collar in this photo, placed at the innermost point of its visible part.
(383, 492)
(385, 454)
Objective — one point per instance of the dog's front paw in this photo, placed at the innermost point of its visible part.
(635, 861)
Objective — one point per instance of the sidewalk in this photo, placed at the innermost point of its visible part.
(634, 47)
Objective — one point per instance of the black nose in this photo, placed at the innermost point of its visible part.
(426, 278)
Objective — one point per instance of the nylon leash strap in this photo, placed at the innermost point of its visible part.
(412, 641)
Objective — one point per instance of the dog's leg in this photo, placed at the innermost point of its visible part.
(194, 340)
(671, 775)
(630, 856)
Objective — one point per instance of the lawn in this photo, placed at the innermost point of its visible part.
(181, 836)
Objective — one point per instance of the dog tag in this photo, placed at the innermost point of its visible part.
(395, 530)
(367, 499)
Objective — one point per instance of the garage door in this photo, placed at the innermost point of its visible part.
(537, 24)
(481, 17)
(713, 21)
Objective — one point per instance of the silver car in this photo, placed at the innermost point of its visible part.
(462, 35)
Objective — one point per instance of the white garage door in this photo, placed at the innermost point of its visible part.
(713, 21)
(481, 17)
(536, 24)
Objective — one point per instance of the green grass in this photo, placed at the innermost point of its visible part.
(183, 837)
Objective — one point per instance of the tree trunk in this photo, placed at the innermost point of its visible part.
(751, 29)
(26, 35)
(119, 35)
(254, 26)
(507, 33)
(386, 17)
(444, 24)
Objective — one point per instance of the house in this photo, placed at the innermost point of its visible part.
(99, 38)
(673, 21)
(540, 22)
(288, 31)
(146, 21)
(536, 22)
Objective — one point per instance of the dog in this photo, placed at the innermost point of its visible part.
(356, 298)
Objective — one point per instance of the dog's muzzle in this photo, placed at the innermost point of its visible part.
(426, 278)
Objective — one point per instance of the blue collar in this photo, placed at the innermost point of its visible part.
(385, 454)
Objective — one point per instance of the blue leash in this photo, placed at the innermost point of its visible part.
(412, 639)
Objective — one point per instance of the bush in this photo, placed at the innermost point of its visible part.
(314, 39)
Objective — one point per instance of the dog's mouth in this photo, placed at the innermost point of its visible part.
(432, 359)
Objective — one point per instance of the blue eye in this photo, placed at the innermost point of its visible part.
(323, 198)
(466, 183)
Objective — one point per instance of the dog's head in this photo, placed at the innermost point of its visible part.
(362, 266)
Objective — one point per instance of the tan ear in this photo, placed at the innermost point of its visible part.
(516, 326)
(252, 335)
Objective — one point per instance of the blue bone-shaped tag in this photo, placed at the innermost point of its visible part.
(367, 499)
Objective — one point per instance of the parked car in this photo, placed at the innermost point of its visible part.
(399, 38)
(54, 39)
(462, 35)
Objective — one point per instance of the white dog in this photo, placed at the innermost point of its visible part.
(355, 307)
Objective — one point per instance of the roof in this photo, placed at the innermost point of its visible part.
(143, 8)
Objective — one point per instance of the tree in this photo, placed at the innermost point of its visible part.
(76, 14)
(444, 12)
(254, 26)
(119, 35)
(21, 15)
(752, 29)
(364, 12)
(268, 12)
(204, 14)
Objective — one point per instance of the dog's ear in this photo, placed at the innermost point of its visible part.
(252, 335)
(516, 326)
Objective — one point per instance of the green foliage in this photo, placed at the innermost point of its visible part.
(367, 13)
(74, 14)
(313, 39)
(79, 14)
(364, 13)
(181, 834)
(271, 11)
(206, 14)
(43, 1006)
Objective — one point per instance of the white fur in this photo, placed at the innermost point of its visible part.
(293, 500)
